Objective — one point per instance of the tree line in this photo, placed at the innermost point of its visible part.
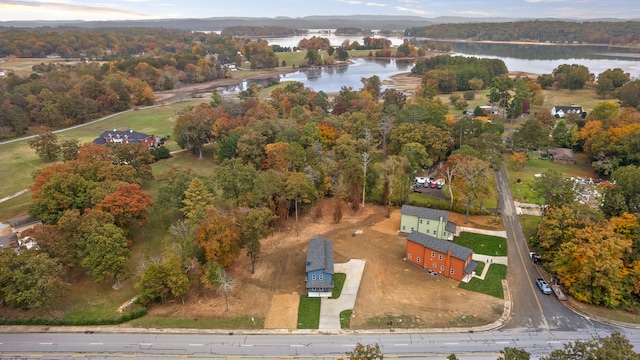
(601, 32)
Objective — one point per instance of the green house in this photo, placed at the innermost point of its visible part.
(427, 221)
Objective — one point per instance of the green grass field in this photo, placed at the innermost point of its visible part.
(492, 283)
(308, 312)
(483, 244)
(522, 190)
(19, 161)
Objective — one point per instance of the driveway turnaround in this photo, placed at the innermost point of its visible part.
(330, 309)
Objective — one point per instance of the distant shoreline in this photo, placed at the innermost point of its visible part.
(524, 43)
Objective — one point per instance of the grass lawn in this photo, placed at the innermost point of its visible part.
(15, 207)
(480, 99)
(338, 283)
(308, 313)
(529, 225)
(522, 191)
(345, 319)
(483, 244)
(245, 322)
(19, 161)
(492, 283)
(587, 98)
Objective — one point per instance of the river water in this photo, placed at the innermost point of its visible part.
(537, 59)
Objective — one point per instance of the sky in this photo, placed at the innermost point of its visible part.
(160, 9)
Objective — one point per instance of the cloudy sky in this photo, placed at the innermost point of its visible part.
(154, 9)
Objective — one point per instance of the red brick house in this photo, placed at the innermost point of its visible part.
(127, 137)
(440, 256)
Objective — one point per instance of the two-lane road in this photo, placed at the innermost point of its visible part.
(531, 309)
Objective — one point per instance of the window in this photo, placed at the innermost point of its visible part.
(321, 277)
(412, 229)
(451, 271)
(434, 232)
(427, 222)
(441, 267)
(434, 265)
(440, 257)
(403, 227)
(420, 221)
(433, 254)
(313, 277)
(418, 259)
(409, 256)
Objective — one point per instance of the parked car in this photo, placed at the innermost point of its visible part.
(439, 186)
(544, 286)
(433, 185)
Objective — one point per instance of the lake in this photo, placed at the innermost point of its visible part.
(537, 59)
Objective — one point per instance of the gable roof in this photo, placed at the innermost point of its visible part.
(562, 154)
(442, 246)
(425, 213)
(130, 135)
(22, 220)
(320, 255)
(566, 109)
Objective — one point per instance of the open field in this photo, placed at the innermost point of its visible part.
(19, 161)
(522, 190)
(23, 66)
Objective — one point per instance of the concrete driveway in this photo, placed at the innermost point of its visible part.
(330, 309)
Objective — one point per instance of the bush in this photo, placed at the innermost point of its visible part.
(454, 98)
(469, 95)
(461, 104)
(161, 152)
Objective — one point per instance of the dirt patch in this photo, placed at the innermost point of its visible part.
(390, 286)
(283, 313)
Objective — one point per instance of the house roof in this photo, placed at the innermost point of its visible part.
(320, 255)
(566, 109)
(132, 136)
(472, 265)
(424, 213)
(22, 220)
(562, 154)
(442, 246)
(9, 241)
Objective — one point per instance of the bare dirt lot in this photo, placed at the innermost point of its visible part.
(390, 287)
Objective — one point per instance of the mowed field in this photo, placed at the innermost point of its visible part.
(19, 161)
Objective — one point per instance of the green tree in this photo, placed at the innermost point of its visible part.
(630, 94)
(614, 347)
(553, 189)
(605, 111)
(28, 279)
(510, 353)
(194, 129)
(61, 192)
(236, 180)
(163, 280)
(298, 188)
(106, 253)
(254, 226)
(624, 196)
(69, 149)
(197, 202)
(564, 135)
(313, 57)
(46, 145)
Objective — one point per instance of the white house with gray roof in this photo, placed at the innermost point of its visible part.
(427, 221)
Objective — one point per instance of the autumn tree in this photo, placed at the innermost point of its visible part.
(69, 149)
(365, 352)
(255, 226)
(219, 235)
(194, 129)
(46, 145)
(61, 192)
(472, 177)
(197, 202)
(128, 205)
(519, 159)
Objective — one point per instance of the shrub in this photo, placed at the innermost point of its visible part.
(469, 95)
(454, 98)
(161, 152)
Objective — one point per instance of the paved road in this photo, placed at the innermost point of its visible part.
(466, 346)
(531, 309)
